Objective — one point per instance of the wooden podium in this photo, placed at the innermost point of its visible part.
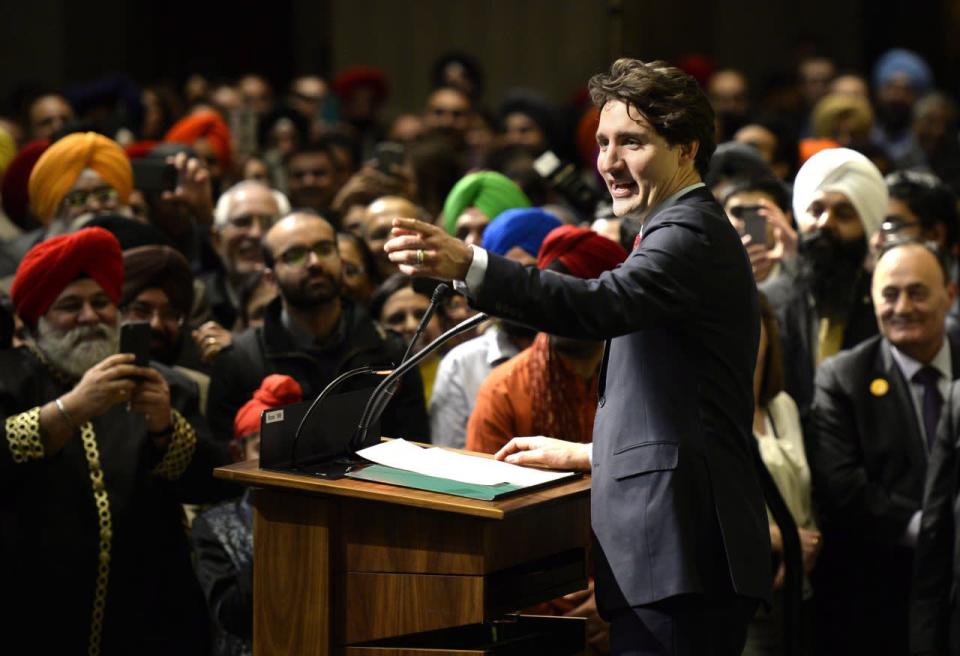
(351, 567)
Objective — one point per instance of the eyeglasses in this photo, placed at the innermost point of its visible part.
(245, 221)
(893, 224)
(80, 198)
(297, 255)
(139, 311)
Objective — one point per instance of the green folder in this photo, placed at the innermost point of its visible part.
(404, 478)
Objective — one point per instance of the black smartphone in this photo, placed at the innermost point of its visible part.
(135, 338)
(754, 224)
(154, 175)
(389, 154)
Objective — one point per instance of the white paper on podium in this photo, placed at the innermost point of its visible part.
(442, 463)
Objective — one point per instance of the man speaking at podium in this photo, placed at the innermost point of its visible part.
(682, 548)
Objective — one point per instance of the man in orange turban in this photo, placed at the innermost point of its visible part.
(81, 173)
(100, 453)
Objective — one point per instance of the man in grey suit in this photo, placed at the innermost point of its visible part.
(682, 546)
(873, 421)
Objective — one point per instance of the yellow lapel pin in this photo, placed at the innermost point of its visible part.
(879, 387)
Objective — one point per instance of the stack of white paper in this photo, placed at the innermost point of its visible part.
(441, 463)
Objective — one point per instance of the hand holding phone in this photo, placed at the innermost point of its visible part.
(754, 224)
(135, 339)
(388, 155)
(154, 176)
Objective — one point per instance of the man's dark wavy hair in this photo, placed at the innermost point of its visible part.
(670, 100)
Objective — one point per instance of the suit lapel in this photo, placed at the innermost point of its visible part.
(954, 355)
(896, 410)
(602, 380)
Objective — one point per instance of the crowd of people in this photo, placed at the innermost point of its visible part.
(245, 223)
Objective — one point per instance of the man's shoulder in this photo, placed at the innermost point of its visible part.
(21, 355)
(244, 356)
(700, 220)
(365, 334)
(470, 350)
(245, 344)
(695, 205)
(17, 365)
(510, 376)
(855, 365)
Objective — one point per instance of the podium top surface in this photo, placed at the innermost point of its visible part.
(249, 473)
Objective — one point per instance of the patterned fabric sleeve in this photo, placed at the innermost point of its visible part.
(180, 451)
(23, 436)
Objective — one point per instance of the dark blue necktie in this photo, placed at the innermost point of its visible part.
(928, 377)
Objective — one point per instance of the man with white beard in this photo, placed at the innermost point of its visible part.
(96, 456)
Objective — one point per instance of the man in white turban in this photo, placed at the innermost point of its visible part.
(839, 200)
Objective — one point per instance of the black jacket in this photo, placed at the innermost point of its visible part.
(676, 505)
(50, 528)
(935, 611)
(797, 318)
(868, 461)
(270, 349)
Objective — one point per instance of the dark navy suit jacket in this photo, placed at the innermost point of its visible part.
(676, 505)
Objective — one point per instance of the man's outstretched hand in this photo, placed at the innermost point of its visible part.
(549, 452)
(422, 249)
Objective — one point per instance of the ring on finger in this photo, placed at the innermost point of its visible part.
(210, 341)
(419, 257)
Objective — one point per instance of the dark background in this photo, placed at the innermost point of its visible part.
(553, 45)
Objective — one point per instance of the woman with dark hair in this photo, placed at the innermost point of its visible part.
(360, 276)
(399, 304)
(776, 427)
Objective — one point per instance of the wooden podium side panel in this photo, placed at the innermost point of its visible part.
(525, 536)
(381, 538)
(387, 605)
(291, 574)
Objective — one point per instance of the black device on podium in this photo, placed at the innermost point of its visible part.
(323, 447)
(321, 437)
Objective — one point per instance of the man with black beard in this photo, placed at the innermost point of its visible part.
(824, 305)
(96, 457)
(311, 333)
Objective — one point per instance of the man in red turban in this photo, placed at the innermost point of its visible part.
(96, 456)
(276, 390)
(16, 199)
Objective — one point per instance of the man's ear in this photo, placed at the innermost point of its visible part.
(688, 152)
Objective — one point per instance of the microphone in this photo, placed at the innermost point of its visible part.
(385, 390)
(442, 290)
(326, 391)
